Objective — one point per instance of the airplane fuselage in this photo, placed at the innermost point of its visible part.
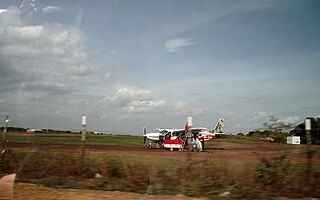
(153, 137)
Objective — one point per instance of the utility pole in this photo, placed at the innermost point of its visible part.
(83, 137)
(309, 152)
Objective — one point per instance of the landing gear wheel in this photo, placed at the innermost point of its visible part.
(171, 149)
(149, 147)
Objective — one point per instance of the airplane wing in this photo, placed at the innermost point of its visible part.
(165, 131)
(198, 129)
(178, 131)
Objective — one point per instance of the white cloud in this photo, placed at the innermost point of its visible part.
(135, 100)
(182, 107)
(50, 9)
(24, 33)
(47, 58)
(3, 10)
(174, 45)
(30, 7)
(262, 116)
(289, 120)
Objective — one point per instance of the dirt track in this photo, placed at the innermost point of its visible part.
(226, 151)
(25, 191)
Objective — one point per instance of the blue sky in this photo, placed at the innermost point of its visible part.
(126, 64)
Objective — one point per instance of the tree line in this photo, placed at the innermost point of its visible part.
(24, 130)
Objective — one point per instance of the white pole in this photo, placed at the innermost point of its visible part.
(84, 128)
(308, 131)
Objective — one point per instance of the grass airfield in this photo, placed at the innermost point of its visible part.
(227, 169)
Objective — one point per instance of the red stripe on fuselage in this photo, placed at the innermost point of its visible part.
(173, 142)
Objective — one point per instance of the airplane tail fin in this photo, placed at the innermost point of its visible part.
(219, 126)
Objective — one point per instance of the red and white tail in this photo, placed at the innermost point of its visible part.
(219, 126)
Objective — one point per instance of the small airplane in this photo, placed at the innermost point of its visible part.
(177, 138)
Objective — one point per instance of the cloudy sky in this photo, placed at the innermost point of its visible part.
(125, 64)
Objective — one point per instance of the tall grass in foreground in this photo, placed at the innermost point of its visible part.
(187, 174)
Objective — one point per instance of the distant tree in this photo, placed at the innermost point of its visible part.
(277, 125)
(14, 129)
(274, 128)
(273, 124)
(240, 134)
(315, 131)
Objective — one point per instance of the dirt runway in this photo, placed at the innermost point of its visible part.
(222, 150)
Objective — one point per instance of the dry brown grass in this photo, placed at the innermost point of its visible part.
(188, 174)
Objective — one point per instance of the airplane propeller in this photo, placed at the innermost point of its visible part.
(144, 134)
